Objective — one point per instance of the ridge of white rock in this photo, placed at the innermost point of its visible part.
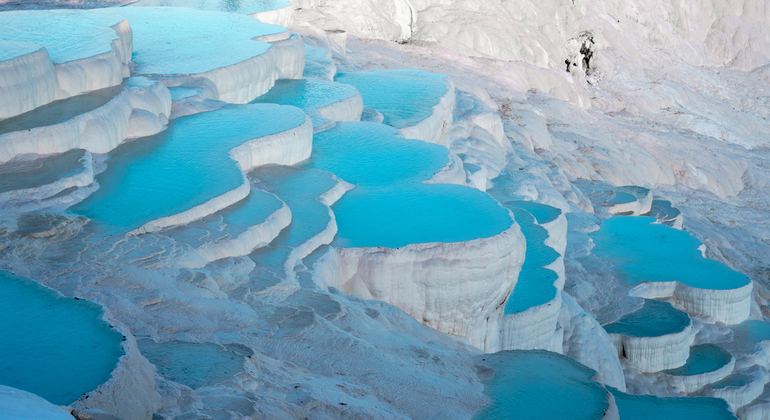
(27, 77)
(141, 108)
(692, 383)
(738, 389)
(731, 306)
(653, 354)
(457, 288)
(434, 128)
(82, 177)
(285, 148)
(534, 328)
(758, 409)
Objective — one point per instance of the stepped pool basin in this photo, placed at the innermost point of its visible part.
(419, 213)
(246, 7)
(752, 330)
(193, 364)
(703, 358)
(371, 155)
(52, 346)
(59, 111)
(654, 319)
(536, 283)
(179, 41)
(310, 95)
(25, 174)
(542, 213)
(404, 97)
(645, 407)
(643, 251)
(541, 385)
(181, 92)
(145, 179)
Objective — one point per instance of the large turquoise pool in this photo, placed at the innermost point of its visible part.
(55, 347)
(642, 250)
(703, 359)
(152, 177)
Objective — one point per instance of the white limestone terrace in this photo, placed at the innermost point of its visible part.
(653, 338)
(96, 121)
(231, 50)
(739, 388)
(666, 213)
(277, 12)
(627, 200)
(33, 178)
(706, 364)
(16, 404)
(81, 51)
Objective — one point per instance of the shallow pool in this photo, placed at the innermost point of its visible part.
(150, 178)
(654, 319)
(540, 385)
(648, 407)
(404, 97)
(703, 358)
(642, 250)
(307, 94)
(18, 174)
(52, 346)
(247, 7)
(752, 330)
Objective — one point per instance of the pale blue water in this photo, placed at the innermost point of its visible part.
(53, 346)
(151, 177)
(401, 215)
(371, 155)
(170, 41)
(654, 319)
(181, 92)
(650, 407)
(643, 251)
(735, 380)
(307, 94)
(12, 49)
(17, 176)
(299, 189)
(535, 284)
(247, 7)
(752, 330)
(68, 35)
(703, 358)
(662, 209)
(621, 198)
(543, 213)
(404, 97)
(193, 364)
(540, 385)
(59, 111)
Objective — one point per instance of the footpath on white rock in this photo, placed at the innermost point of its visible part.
(384, 209)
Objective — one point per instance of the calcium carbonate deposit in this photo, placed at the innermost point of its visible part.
(384, 209)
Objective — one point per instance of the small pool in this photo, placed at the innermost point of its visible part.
(52, 346)
(541, 385)
(542, 213)
(648, 407)
(654, 319)
(149, 178)
(179, 41)
(308, 94)
(404, 97)
(372, 155)
(193, 364)
(703, 359)
(535, 285)
(246, 7)
(397, 216)
(23, 174)
(752, 330)
(182, 92)
(642, 250)
(59, 111)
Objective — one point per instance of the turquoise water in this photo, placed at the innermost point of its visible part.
(643, 251)
(149, 178)
(703, 358)
(736, 380)
(59, 111)
(752, 330)
(318, 63)
(181, 92)
(621, 198)
(404, 97)
(650, 407)
(662, 209)
(397, 216)
(539, 385)
(41, 171)
(247, 7)
(308, 95)
(53, 346)
(543, 213)
(299, 189)
(654, 319)
(170, 41)
(192, 364)
(13, 49)
(68, 35)
(371, 155)
(535, 284)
